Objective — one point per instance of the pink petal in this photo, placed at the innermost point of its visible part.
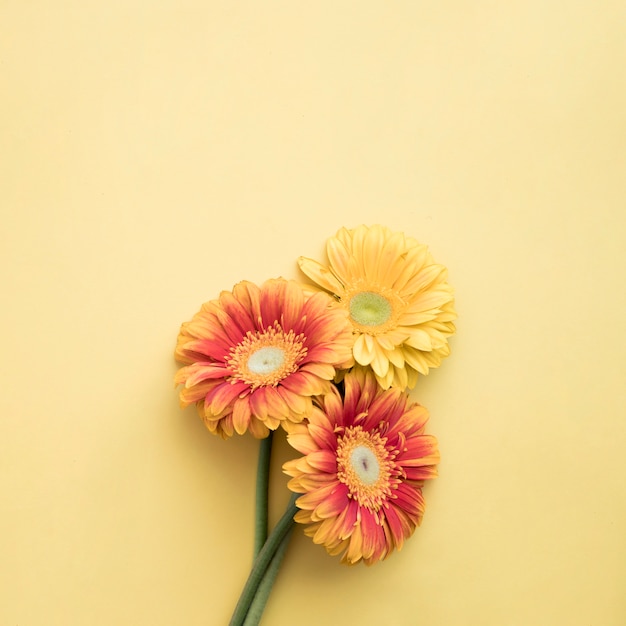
(304, 383)
(276, 406)
(198, 372)
(323, 460)
(241, 415)
(334, 503)
(293, 302)
(324, 438)
(215, 347)
(409, 499)
(418, 451)
(272, 301)
(313, 499)
(324, 371)
(349, 519)
(373, 535)
(258, 403)
(421, 473)
(237, 312)
(222, 396)
(386, 406)
(233, 332)
(297, 404)
(197, 392)
(302, 442)
(248, 294)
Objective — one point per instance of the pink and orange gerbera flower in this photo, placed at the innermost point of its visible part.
(255, 356)
(366, 458)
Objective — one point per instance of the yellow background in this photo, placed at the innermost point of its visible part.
(155, 153)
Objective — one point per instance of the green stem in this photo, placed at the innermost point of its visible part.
(262, 595)
(262, 485)
(262, 562)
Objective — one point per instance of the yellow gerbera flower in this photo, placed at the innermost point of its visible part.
(397, 297)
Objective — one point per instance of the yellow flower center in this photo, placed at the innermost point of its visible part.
(365, 465)
(369, 308)
(372, 310)
(266, 357)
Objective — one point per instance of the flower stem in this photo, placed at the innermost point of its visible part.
(262, 562)
(262, 595)
(262, 485)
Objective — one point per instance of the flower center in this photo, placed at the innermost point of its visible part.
(266, 357)
(369, 309)
(266, 360)
(366, 466)
(373, 310)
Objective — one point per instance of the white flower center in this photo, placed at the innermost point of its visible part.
(266, 360)
(266, 357)
(365, 464)
(370, 309)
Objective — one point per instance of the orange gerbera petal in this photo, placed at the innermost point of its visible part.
(222, 396)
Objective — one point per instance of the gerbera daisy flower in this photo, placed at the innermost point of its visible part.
(365, 460)
(255, 356)
(397, 297)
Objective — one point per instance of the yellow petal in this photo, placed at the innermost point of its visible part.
(321, 275)
(416, 359)
(338, 257)
(419, 339)
(425, 278)
(372, 245)
(380, 363)
(364, 349)
(389, 258)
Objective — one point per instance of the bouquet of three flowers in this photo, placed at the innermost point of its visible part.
(329, 364)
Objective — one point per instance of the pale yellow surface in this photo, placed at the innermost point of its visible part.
(155, 153)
